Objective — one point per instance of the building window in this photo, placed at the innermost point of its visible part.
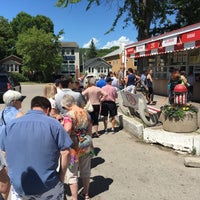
(11, 67)
(72, 51)
(16, 68)
(89, 69)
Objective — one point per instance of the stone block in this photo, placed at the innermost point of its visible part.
(192, 162)
(130, 125)
(186, 125)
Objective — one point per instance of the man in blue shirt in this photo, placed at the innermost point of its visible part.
(101, 82)
(33, 145)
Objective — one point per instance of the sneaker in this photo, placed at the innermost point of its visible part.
(106, 131)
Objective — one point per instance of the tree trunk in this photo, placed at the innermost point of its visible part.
(142, 14)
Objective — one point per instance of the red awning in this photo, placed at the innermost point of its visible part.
(179, 40)
(153, 45)
(190, 36)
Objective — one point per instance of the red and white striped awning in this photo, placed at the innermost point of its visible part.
(179, 40)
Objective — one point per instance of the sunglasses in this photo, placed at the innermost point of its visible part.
(64, 108)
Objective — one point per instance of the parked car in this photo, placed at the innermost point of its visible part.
(7, 82)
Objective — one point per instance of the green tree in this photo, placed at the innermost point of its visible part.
(21, 23)
(187, 12)
(40, 52)
(6, 35)
(92, 52)
(150, 17)
(44, 23)
(141, 13)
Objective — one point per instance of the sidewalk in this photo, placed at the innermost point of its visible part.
(186, 142)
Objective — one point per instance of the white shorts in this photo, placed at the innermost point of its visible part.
(131, 89)
(55, 193)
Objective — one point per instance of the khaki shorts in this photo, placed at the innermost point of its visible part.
(83, 165)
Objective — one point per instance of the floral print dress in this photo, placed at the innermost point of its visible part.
(80, 120)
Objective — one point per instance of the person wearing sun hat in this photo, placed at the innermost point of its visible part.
(13, 102)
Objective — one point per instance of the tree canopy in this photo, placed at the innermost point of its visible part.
(40, 52)
(150, 17)
(92, 52)
(6, 35)
(32, 38)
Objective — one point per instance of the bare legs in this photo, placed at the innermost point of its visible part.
(96, 127)
(74, 191)
(86, 184)
(105, 121)
(113, 122)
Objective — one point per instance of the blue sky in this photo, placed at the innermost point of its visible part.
(79, 26)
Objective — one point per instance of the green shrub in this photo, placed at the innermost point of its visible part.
(178, 112)
(19, 77)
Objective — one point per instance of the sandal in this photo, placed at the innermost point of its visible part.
(96, 135)
(86, 197)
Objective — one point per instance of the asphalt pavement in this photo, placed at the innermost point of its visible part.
(127, 169)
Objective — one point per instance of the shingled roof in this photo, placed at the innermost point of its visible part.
(96, 62)
(114, 53)
(69, 44)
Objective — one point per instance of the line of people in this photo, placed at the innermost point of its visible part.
(132, 82)
(46, 147)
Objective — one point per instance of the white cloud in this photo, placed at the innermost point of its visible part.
(122, 40)
(87, 45)
(61, 38)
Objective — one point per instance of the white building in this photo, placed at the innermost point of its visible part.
(97, 66)
(11, 64)
(70, 53)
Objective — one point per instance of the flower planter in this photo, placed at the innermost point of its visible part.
(186, 125)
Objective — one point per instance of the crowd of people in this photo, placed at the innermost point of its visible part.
(48, 145)
(52, 142)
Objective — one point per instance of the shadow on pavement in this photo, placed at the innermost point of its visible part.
(96, 150)
(99, 185)
(96, 161)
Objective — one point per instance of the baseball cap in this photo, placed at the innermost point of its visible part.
(108, 79)
(12, 95)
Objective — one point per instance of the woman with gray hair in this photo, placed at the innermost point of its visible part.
(77, 124)
(95, 95)
(13, 101)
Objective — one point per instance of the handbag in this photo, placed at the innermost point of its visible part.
(89, 107)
